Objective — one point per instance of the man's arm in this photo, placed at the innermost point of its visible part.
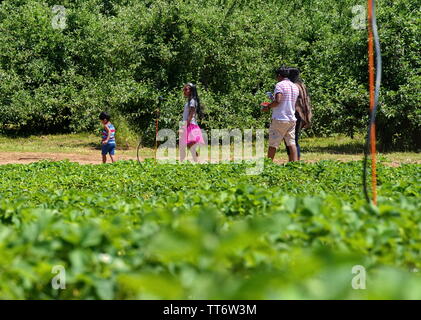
(278, 100)
(274, 103)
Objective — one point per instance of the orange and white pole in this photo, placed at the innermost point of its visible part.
(371, 89)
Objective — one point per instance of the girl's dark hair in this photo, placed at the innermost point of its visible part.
(294, 75)
(194, 95)
(104, 116)
(282, 71)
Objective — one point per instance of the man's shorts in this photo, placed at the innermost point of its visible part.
(280, 130)
(108, 148)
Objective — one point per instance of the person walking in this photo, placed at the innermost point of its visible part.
(283, 114)
(190, 133)
(108, 137)
(303, 112)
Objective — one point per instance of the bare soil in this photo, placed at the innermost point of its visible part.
(95, 158)
(29, 157)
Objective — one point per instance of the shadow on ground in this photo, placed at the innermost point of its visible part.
(97, 146)
(90, 145)
(348, 148)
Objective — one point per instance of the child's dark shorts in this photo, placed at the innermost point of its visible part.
(108, 148)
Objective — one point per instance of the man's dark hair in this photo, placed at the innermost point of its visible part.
(104, 116)
(283, 72)
(294, 75)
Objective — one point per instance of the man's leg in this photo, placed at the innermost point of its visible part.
(290, 140)
(289, 154)
(112, 158)
(104, 158)
(293, 156)
(271, 152)
(286, 148)
(275, 138)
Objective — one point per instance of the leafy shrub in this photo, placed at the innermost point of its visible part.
(124, 54)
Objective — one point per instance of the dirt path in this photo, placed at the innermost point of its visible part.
(29, 157)
(95, 158)
(91, 158)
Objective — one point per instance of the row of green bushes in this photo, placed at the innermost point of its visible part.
(121, 55)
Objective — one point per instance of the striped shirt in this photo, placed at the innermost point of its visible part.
(112, 133)
(285, 110)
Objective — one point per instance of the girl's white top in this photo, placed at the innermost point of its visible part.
(192, 103)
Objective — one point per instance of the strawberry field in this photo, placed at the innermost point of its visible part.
(146, 231)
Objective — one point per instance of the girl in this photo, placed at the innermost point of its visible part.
(190, 133)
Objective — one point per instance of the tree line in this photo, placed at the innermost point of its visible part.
(63, 63)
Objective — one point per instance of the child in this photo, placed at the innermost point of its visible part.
(108, 137)
(190, 133)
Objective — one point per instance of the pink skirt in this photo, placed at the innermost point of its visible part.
(193, 135)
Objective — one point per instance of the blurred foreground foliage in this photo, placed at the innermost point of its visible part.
(207, 231)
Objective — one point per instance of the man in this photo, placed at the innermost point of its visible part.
(283, 115)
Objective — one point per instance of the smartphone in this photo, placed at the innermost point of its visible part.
(270, 95)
